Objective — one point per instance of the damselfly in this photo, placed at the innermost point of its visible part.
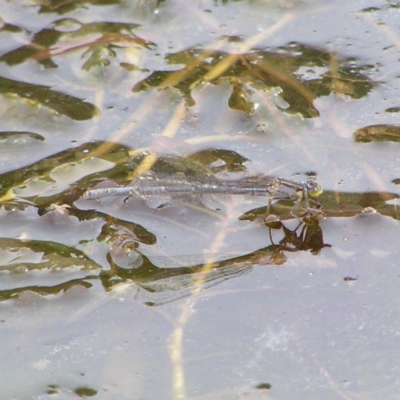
(178, 186)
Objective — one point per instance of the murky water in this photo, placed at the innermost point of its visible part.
(115, 299)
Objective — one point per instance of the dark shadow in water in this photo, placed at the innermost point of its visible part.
(160, 280)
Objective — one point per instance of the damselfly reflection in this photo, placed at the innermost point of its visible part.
(155, 280)
(159, 280)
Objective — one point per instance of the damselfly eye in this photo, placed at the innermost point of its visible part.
(313, 187)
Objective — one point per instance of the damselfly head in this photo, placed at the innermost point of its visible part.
(314, 189)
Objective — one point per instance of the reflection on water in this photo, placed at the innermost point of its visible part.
(155, 280)
(158, 280)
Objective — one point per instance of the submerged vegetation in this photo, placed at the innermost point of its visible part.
(94, 94)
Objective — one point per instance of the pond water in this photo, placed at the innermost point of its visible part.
(116, 298)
